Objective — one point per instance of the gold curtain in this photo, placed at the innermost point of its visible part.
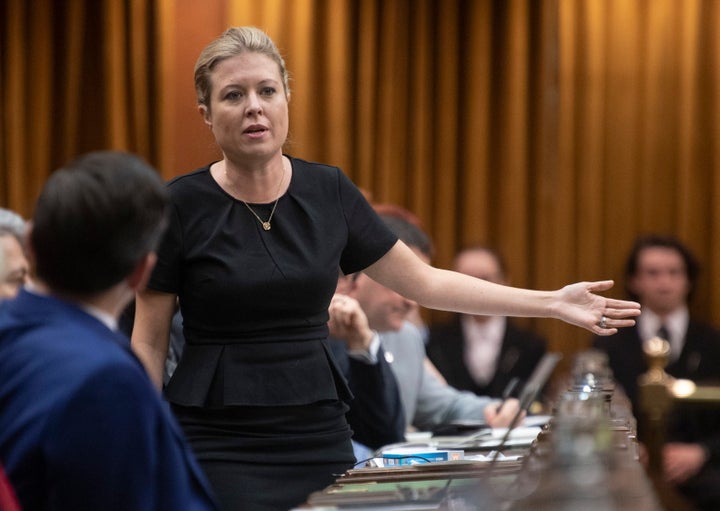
(556, 130)
(75, 76)
(637, 122)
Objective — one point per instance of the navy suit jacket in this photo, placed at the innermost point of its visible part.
(81, 425)
(376, 414)
(520, 352)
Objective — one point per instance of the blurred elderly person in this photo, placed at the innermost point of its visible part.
(14, 267)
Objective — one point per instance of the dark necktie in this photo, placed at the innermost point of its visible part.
(663, 333)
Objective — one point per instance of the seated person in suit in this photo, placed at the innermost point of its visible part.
(483, 354)
(81, 425)
(661, 273)
(376, 414)
(14, 268)
(427, 402)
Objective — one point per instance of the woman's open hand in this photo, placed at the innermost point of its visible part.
(578, 304)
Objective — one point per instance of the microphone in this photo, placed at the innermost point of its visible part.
(509, 389)
(532, 388)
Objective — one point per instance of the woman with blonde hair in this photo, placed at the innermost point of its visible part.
(253, 250)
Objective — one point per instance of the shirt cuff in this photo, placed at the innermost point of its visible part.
(368, 356)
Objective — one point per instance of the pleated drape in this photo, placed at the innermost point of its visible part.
(76, 76)
(556, 130)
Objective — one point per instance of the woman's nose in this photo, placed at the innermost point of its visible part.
(254, 106)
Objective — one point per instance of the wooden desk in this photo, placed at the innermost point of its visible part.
(614, 480)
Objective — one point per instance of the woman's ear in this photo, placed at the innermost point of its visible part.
(205, 114)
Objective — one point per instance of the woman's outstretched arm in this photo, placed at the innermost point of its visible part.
(578, 304)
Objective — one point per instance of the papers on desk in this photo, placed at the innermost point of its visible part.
(482, 440)
(499, 457)
(451, 449)
(418, 436)
(522, 436)
(536, 420)
(523, 432)
(469, 428)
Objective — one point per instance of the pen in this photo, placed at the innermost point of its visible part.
(509, 389)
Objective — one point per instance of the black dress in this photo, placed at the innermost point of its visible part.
(256, 390)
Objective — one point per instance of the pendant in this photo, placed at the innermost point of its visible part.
(266, 226)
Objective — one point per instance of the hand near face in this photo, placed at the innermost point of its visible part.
(349, 323)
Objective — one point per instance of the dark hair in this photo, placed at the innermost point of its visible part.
(692, 267)
(95, 219)
(405, 226)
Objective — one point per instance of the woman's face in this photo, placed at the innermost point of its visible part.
(248, 111)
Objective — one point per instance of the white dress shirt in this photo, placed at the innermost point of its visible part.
(483, 342)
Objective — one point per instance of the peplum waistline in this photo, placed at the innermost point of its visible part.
(261, 373)
(295, 334)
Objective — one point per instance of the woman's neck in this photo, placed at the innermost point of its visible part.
(253, 183)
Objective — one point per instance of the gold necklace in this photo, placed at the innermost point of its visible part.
(266, 223)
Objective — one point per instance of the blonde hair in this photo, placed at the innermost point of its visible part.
(232, 42)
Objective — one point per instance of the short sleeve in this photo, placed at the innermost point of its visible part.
(368, 237)
(166, 274)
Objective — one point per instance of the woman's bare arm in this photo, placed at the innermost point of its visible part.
(151, 331)
(401, 270)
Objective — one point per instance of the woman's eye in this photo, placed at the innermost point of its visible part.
(232, 95)
(268, 91)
